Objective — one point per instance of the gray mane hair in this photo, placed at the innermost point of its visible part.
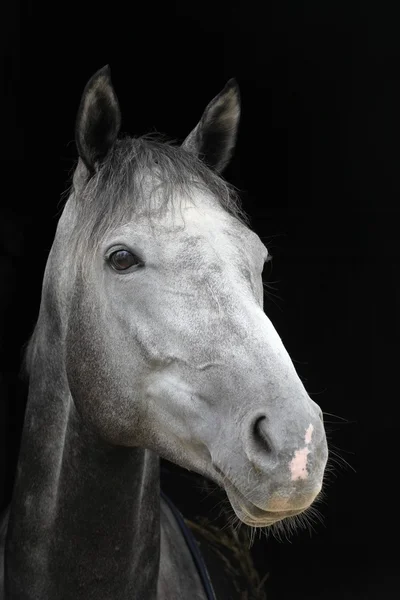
(120, 188)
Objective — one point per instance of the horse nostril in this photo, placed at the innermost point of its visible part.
(260, 433)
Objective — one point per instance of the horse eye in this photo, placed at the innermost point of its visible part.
(122, 260)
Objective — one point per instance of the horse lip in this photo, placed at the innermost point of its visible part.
(254, 514)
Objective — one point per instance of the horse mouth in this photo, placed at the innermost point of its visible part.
(250, 514)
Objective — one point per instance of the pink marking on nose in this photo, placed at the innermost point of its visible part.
(309, 433)
(298, 464)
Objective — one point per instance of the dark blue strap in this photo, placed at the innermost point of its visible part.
(194, 549)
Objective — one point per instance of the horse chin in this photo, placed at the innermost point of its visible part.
(252, 515)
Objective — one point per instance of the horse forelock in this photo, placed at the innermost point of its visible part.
(125, 182)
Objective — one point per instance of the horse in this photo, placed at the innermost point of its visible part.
(151, 341)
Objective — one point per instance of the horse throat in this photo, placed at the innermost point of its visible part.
(85, 516)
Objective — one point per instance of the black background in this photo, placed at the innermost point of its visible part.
(317, 160)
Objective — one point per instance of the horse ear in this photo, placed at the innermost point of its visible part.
(98, 121)
(214, 137)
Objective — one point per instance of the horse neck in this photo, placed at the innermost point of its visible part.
(83, 513)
